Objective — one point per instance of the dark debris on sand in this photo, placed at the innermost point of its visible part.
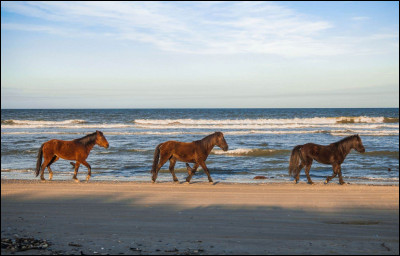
(23, 244)
(260, 178)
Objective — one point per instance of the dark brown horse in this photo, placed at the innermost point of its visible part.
(333, 154)
(77, 150)
(190, 152)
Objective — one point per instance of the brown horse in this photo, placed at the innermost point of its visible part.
(333, 154)
(77, 150)
(190, 152)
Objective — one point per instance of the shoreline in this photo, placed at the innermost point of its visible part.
(166, 218)
(255, 182)
(165, 177)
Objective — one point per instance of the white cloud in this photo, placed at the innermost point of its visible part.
(190, 27)
(360, 18)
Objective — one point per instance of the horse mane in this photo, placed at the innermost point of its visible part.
(344, 145)
(88, 139)
(347, 139)
(207, 141)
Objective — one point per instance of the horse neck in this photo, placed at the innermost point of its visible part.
(90, 146)
(208, 144)
(345, 148)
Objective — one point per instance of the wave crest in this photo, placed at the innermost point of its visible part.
(251, 152)
(42, 122)
(264, 121)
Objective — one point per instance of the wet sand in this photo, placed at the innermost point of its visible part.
(167, 218)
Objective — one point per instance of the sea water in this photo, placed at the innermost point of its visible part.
(260, 142)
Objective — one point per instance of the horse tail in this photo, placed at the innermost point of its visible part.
(156, 159)
(39, 160)
(295, 158)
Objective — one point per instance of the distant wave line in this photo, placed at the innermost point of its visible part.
(207, 122)
(241, 132)
(316, 120)
(211, 126)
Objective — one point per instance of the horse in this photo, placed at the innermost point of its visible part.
(333, 154)
(77, 150)
(189, 152)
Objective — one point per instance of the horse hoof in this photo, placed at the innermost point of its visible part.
(311, 183)
(187, 183)
(211, 182)
(76, 180)
(326, 182)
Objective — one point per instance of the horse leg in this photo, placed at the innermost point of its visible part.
(340, 175)
(296, 179)
(307, 171)
(188, 168)
(53, 160)
(46, 162)
(163, 159)
(89, 170)
(172, 162)
(203, 165)
(191, 171)
(76, 171)
(334, 167)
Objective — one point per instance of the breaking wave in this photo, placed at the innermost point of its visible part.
(240, 132)
(251, 152)
(336, 126)
(305, 121)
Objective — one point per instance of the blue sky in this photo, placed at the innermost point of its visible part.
(199, 54)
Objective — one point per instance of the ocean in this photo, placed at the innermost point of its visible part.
(260, 142)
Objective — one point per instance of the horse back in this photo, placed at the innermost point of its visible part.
(183, 151)
(177, 146)
(65, 149)
(321, 153)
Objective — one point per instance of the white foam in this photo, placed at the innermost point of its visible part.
(249, 152)
(307, 121)
(240, 132)
(66, 124)
(234, 124)
(238, 151)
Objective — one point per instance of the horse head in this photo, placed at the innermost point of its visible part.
(358, 145)
(101, 140)
(220, 141)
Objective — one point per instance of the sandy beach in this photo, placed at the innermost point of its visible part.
(167, 218)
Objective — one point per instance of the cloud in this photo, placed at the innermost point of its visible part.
(360, 18)
(188, 27)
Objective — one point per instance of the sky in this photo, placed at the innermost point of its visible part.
(199, 54)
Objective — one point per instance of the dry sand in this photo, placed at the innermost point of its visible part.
(166, 218)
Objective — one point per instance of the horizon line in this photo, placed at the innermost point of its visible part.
(202, 108)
